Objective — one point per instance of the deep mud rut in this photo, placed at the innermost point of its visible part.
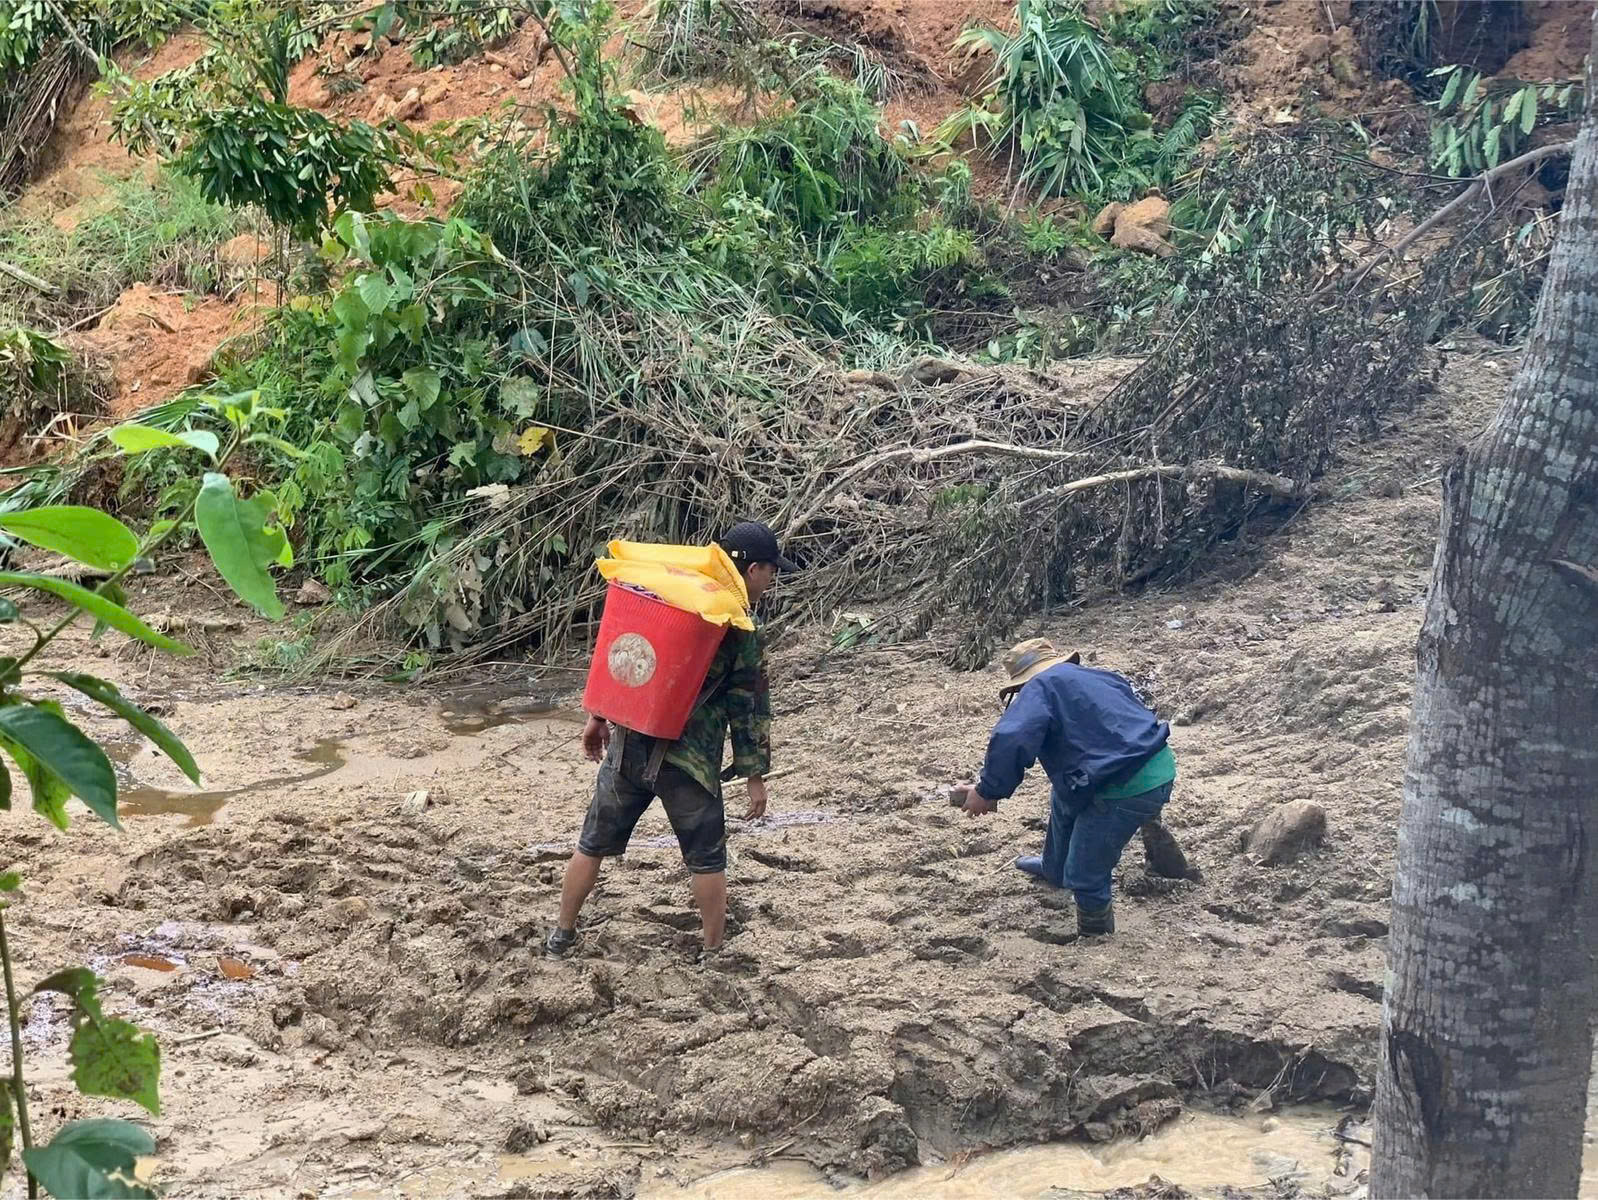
(337, 942)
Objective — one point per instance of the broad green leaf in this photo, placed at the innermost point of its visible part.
(50, 795)
(106, 693)
(234, 531)
(97, 606)
(115, 1058)
(5, 799)
(375, 292)
(203, 440)
(85, 535)
(65, 751)
(1528, 112)
(579, 286)
(79, 984)
(1470, 91)
(8, 1127)
(8, 611)
(1512, 105)
(1450, 91)
(92, 1160)
(136, 439)
(1494, 144)
(114, 593)
(423, 383)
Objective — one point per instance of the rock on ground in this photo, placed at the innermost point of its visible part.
(1287, 832)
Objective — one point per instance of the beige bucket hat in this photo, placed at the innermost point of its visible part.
(1030, 659)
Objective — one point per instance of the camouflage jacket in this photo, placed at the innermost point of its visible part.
(734, 697)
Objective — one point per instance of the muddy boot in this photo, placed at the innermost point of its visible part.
(1095, 922)
(1163, 855)
(559, 942)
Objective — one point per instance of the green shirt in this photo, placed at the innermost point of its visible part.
(1157, 772)
(734, 697)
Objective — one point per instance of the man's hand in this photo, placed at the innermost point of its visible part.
(596, 738)
(757, 797)
(975, 804)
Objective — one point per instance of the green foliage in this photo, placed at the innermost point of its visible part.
(30, 360)
(31, 28)
(697, 39)
(1157, 33)
(1481, 123)
(92, 1160)
(110, 1057)
(1068, 104)
(820, 162)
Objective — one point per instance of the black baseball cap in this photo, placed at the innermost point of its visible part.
(750, 542)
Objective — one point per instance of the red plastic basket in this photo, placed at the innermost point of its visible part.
(649, 663)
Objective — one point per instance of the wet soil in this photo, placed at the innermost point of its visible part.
(336, 936)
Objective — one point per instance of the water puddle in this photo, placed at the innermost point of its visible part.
(1198, 1151)
(469, 714)
(140, 800)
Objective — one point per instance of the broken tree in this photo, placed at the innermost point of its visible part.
(1487, 1037)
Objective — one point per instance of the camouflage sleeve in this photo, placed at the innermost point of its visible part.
(749, 708)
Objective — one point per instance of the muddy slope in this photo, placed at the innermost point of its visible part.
(353, 933)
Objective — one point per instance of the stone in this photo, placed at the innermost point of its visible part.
(312, 592)
(524, 1135)
(1287, 832)
(343, 702)
(1143, 227)
(437, 92)
(416, 802)
(1104, 223)
(409, 106)
(1316, 48)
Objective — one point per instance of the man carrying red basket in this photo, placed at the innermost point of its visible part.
(685, 774)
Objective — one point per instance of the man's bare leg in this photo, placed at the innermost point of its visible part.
(710, 890)
(581, 874)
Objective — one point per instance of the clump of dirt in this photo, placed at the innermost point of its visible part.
(162, 342)
(1559, 35)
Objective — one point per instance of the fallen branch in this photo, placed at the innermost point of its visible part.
(1275, 485)
(920, 457)
(1477, 186)
(29, 279)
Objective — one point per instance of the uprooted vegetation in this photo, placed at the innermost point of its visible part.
(612, 334)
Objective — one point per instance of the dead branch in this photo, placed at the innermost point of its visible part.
(1477, 186)
(1275, 485)
(28, 278)
(915, 456)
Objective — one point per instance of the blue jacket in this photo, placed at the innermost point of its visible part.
(1087, 727)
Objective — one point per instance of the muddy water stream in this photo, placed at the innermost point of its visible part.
(1199, 1151)
(135, 799)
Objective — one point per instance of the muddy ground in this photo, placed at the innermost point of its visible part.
(337, 941)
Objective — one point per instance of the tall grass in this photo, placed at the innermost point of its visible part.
(158, 230)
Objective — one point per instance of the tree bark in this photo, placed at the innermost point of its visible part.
(1486, 1022)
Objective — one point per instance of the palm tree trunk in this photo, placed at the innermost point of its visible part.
(1486, 1023)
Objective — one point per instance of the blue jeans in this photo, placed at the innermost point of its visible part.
(1084, 844)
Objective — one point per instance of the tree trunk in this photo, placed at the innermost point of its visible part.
(1486, 1034)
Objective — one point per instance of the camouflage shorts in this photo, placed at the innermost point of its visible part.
(621, 796)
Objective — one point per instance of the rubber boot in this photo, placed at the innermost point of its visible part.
(1030, 864)
(1095, 922)
(1161, 852)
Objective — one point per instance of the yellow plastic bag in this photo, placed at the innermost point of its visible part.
(661, 570)
(710, 561)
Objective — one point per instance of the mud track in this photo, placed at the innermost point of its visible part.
(354, 993)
